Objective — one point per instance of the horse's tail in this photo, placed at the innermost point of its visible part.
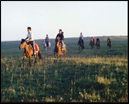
(39, 53)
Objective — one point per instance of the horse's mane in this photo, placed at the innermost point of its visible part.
(22, 40)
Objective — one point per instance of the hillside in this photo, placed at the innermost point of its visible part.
(93, 75)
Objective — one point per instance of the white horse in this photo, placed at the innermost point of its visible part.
(45, 45)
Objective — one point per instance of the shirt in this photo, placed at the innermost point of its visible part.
(61, 36)
(81, 36)
(47, 39)
(30, 35)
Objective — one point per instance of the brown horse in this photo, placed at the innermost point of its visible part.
(57, 49)
(98, 44)
(28, 51)
(91, 44)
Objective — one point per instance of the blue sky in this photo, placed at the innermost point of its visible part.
(92, 18)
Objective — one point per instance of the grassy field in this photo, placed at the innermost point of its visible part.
(93, 75)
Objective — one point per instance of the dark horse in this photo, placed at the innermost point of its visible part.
(57, 49)
(109, 42)
(81, 44)
(28, 51)
(98, 43)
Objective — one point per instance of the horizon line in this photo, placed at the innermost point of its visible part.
(69, 37)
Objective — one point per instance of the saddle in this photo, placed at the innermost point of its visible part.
(36, 47)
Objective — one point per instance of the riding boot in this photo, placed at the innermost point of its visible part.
(34, 50)
(34, 53)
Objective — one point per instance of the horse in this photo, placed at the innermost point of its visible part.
(57, 49)
(28, 51)
(98, 44)
(81, 44)
(92, 43)
(109, 43)
(45, 45)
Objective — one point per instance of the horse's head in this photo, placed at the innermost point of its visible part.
(23, 43)
(57, 41)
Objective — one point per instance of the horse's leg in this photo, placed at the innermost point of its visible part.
(23, 61)
(64, 53)
(54, 54)
(30, 60)
(50, 48)
(61, 57)
(57, 56)
(36, 58)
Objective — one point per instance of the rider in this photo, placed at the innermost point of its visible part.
(81, 41)
(108, 40)
(31, 40)
(60, 34)
(81, 37)
(97, 40)
(47, 40)
(93, 40)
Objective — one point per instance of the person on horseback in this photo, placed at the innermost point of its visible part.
(97, 40)
(31, 40)
(81, 41)
(108, 41)
(93, 40)
(81, 37)
(61, 36)
(47, 40)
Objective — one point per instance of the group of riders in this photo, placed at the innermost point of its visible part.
(60, 36)
(93, 42)
(33, 49)
(30, 38)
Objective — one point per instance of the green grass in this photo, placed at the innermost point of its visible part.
(93, 75)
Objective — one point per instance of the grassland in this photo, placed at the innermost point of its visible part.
(93, 75)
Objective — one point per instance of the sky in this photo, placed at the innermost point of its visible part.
(92, 18)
